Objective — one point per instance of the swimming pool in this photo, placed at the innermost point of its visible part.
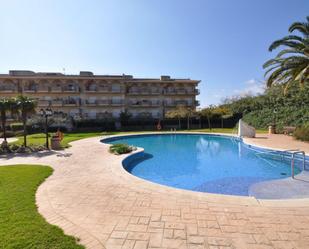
(203, 162)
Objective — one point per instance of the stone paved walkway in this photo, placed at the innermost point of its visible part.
(92, 197)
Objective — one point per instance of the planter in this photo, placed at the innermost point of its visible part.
(55, 143)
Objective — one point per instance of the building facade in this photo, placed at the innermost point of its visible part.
(89, 96)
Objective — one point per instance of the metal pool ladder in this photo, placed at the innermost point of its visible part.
(294, 153)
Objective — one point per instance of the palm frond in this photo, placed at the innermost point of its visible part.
(301, 27)
(288, 51)
(287, 43)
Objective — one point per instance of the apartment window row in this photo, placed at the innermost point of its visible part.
(75, 87)
(101, 102)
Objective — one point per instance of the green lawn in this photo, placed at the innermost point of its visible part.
(21, 226)
(39, 138)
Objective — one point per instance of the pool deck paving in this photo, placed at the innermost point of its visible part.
(92, 197)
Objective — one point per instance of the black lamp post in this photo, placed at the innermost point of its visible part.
(45, 114)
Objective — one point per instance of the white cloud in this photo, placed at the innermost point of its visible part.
(252, 87)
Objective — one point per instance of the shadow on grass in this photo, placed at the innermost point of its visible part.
(36, 154)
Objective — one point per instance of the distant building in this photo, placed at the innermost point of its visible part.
(89, 96)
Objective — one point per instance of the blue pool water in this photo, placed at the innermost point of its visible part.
(205, 163)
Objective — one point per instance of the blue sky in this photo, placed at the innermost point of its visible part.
(221, 42)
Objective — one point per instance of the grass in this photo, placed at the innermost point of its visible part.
(21, 225)
(39, 138)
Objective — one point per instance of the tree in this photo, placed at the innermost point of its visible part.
(222, 112)
(26, 106)
(4, 108)
(190, 112)
(291, 63)
(208, 113)
(124, 117)
(179, 113)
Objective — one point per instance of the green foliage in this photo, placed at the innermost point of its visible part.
(16, 126)
(40, 138)
(125, 116)
(285, 109)
(15, 148)
(120, 149)
(21, 224)
(292, 63)
(302, 133)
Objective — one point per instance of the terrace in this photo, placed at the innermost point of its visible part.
(105, 208)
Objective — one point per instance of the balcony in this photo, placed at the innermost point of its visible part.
(91, 89)
(119, 90)
(68, 89)
(43, 103)
(145, 104)
(56, 89)
(116, 102)
(57, 103)
(29, 90)
(90, 102)
(104, 89)
(70, 102)
(197, 103)
(43, 89)
(143, 92)
(7, 90)
(177, 103)
(103, 102)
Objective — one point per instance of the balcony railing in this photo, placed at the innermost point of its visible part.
(70, 89)
(56, 89)
(143, 92)
(43, 89)
(145, 104)
(29, 90)
(56, 103)
(7, 90)
(103, 90)
(91, 103)
(177, 103)
(182, 92)
(71, 103)
(104, 102)
(44, 103)
(116, 102)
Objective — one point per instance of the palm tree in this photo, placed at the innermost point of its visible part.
(26, 106)
(4, 108)
(292, 62)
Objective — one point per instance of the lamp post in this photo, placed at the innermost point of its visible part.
(45, 114)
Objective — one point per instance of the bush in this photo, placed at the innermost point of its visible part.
(16, 126)
(302, 133)
(118, 149)
(15, 148)
(8, 134)
(100, 124)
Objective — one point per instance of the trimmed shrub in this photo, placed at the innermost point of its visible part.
(16, 126)
(118, 149)
(302, 133)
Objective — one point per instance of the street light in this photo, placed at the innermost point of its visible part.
(45, 114)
